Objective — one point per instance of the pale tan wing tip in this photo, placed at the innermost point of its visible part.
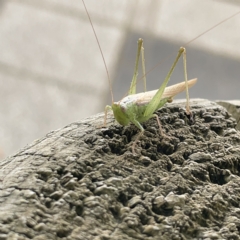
(192, 82)
(173, 90)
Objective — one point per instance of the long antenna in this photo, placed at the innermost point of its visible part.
(191, 41)
(109, 81)
(212, 27)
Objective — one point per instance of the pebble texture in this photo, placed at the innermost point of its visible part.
(83, 182)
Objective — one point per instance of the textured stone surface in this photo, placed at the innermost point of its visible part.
(50, 64)
(83, 182)
(232, 107)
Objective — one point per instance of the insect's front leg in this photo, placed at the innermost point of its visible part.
(107, 108)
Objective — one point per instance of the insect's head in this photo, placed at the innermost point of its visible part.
(119, 114)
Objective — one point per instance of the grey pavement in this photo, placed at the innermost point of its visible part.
(51, 72)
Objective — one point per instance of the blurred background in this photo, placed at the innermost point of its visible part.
(52, 73)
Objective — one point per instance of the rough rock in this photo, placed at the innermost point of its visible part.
(83, 182)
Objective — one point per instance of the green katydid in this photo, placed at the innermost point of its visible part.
(138, 108)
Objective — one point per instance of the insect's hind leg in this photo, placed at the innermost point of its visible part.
(159, 124)
(188, 111)
(132, 89)
(143, 68)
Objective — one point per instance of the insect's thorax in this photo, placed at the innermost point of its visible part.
(127, 110)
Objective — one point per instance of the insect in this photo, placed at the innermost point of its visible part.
(138, 108)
